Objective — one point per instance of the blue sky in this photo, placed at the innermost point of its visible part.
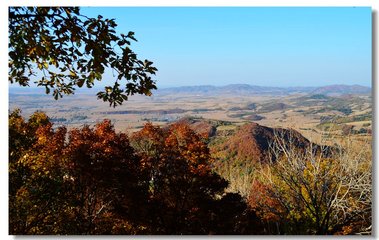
(282, 46)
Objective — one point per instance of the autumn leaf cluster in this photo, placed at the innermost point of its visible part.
(165, 180)
(97, 181)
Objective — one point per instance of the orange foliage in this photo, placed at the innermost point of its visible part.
(264, 203)
(96, 181)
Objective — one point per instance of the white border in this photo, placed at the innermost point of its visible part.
(4, 83)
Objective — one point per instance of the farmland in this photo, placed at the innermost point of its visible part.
(310, 113)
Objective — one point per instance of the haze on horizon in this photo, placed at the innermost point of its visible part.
(261, 46)
(264, 46)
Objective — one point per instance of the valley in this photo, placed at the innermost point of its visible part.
(313, 112)
(257, 140)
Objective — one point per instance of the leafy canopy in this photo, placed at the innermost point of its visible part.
(64, 49)
(96, 181)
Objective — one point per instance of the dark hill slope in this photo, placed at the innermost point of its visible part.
(205, 128)
(251, 142)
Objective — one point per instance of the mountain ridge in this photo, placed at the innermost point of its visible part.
(233, 89)
(247, 89)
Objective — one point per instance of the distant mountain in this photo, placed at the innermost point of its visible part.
(246, 89)
(189, 89)
(250, 89)
(342, 90)
(231, 89)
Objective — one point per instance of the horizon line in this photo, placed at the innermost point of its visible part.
(12, 86)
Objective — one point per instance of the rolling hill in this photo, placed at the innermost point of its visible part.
(246, 89)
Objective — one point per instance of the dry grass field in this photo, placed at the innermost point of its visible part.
(314, 116)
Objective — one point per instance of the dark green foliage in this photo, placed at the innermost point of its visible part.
(328, 123)
(345, 110)
(64, 49)
(356, 118)
(273, 106)
(318, 96)
(251, 106)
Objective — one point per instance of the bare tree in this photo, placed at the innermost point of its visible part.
(317, 189)
(240, 176)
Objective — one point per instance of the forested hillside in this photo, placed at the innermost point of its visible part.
(165, 180)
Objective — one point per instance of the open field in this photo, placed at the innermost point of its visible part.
(311, 115)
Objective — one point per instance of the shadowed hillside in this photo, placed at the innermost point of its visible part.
(251, 142)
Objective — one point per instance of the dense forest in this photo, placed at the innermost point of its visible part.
(166, 180)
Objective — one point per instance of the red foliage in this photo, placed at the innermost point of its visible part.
(264, 203)
(252, 143)
(96, 181)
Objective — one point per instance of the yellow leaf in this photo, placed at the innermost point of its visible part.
(72, 73)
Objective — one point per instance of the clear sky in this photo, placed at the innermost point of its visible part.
(282, 46)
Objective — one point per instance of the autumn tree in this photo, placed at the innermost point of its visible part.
(187, 197)
(63, 49)
(108, 185)
(86, 182)
(36, 192)
(308, 192)
(22, 136)
(92, 180)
